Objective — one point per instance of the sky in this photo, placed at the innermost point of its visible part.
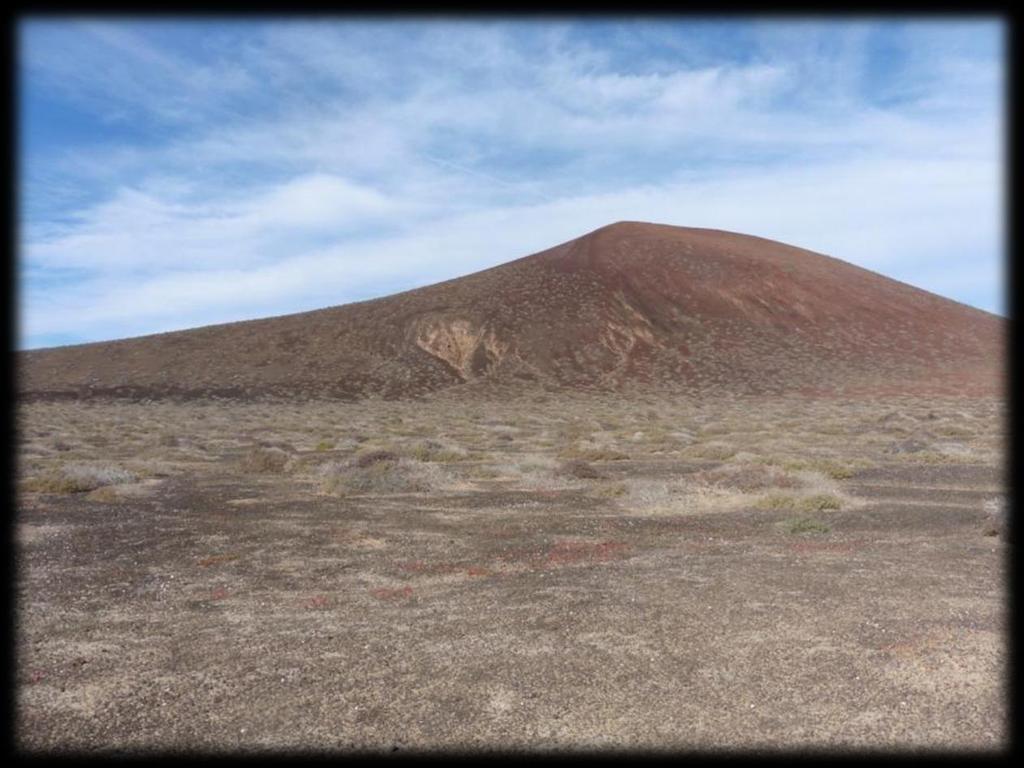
(179, 173)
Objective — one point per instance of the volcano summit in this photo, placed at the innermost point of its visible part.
(629, 305)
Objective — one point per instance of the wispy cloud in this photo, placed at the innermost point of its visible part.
(264, 168)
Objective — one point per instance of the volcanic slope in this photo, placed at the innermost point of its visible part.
(630, 305)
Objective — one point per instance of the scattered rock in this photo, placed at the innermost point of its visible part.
(906, 446)
(995, 517)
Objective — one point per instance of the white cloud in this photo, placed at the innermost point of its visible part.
(913, 220)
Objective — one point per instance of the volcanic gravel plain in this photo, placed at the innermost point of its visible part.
(547, 572)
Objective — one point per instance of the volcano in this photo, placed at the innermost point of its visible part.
(628, 306)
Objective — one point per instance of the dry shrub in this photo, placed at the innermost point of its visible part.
(384, 475)
(799, 525)
(539, 473)
(680, 497)
(715, 450)
(610, 490)
(579, 469)
(79, 478)
(812, 503)
(265, 460)
(432, 450)
(746, 477)
(106, 495)
(831, 468)
(377, 456)
(587, 453)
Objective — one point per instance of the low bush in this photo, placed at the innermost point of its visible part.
(376, 456)
(265, 460)
(804, 525)
(610, 490)
(836, 470)
(813, 503)
(579, 469)
(432, 450)
(79, 478)
(384, 475)
(592, 454)
(715, 451)
(749, 476)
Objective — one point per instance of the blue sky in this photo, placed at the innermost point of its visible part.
(181, 173)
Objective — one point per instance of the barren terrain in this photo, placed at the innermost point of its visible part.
(540, 571)
(628, 307)
(654, 488)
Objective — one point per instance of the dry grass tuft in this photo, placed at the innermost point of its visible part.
(610, 490)
(787, 501)
(375, 456)
(105, 494)
(579, 469)
(384, 475)
(715, 450)
(746, 477)
(78, 478)
(800, 525)
(264, 460)
(433, 450)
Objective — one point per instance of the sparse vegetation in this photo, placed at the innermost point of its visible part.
(432, 450)
(804, 525)
(716, 451)
(393, 545)
(788, 501)
(265, 460)
(383, 475)
(579, 469)
(583, 453)
(746, 477)
(78, 478)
